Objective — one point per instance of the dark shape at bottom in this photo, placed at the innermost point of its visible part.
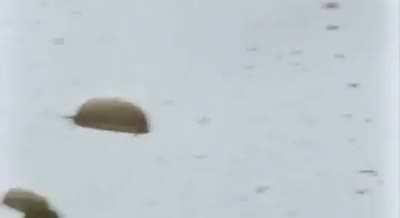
(30, 203)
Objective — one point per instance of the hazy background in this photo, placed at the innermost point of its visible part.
(257, 109)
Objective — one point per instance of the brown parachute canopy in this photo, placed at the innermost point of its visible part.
(112, 114)
(30, 203)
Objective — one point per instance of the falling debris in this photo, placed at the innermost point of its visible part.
(353, 85)
(58, 41)
(262, 189)
(332, 27)
(331, 5)
(368, 172)
(111, 114)
(32, 204)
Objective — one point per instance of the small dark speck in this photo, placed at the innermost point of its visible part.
(252, 49)
(331, 5)
(369, 172)
(332, 27)
(339, 56)
(362, 191)
(262, 189)
(296, 52)
(58, 41)
(351, 140)
(368, 120)
(200, 156)
(204, 121)
(353, 85)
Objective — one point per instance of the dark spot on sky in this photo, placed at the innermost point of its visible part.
(351, 140)
(339, 56)
(58, 41)
(200, 156)
(331, 5)
(362, 191)
(353, 85)
(332, 27)
(368, 120)
(204, 121)
(368, 172)
(112, 114)
(30, 203)
(262, 189)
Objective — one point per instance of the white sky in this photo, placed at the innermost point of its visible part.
(275, 117)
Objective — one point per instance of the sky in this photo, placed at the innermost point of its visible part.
(257, 108)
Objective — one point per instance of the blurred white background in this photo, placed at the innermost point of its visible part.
(257, 108)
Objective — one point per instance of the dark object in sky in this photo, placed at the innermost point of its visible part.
(262, 189)
(368, 120)
(30, 203)
(362, 191)
(353, 85)
(369, 172)
(112, 114)
(339, 56)
(331, 5)
(332, 27)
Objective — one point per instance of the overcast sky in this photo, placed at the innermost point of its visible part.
(257, 108)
